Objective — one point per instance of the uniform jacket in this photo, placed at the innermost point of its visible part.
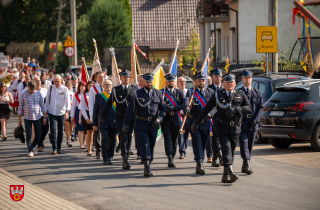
(238, 99)
(214, 118)
(108, 119)
(256, 104)
(173, 120)
(156, 109)
(196, 108)
(121, 108)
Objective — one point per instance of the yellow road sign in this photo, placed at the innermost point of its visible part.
(267, 40)
(69, 42)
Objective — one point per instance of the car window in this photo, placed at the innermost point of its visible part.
(289, 96)
(262, 88)
(254, 84)
(239, 86)
(189, 84)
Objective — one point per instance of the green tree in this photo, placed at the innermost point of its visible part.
(192, 51)
(108, 23)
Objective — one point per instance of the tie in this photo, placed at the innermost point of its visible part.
(125, 90)
(201, 92)
(248, 92)
(101, 88)
(74, 89)
(230, 95)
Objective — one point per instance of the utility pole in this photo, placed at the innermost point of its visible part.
(276, 15)
(57, 37)
(269, 56)
(74, 30)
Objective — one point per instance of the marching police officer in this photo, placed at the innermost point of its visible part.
(150, 110)
(231, 105)
(173, 99)
(122, 95)
(216, 75)
(201, 96)
(250, 122)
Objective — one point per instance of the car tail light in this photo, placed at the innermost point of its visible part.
(300, 107)
(293, 136)
(264, 107)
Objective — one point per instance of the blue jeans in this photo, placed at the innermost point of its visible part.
(37, 130)
(56, 121)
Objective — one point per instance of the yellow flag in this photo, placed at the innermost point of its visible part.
(159, 82)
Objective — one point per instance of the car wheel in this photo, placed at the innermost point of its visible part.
(258, 139)
(315, 140)
(280, 143)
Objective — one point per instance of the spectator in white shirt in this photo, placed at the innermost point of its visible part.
(51, 75)
(44, 127)
(68, 123)
(47, 83)
(85, 118)
(58, 106)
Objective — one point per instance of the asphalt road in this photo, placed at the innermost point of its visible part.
(281, 180)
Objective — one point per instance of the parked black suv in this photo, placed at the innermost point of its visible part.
(293, 113)
(267, 84)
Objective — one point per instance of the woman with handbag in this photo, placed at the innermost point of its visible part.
(5, 99)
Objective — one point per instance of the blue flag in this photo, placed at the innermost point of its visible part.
(205, 71)
(174, 69)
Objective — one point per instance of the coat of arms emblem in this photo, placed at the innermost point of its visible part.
(16, 192)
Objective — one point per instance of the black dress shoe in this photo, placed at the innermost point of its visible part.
(98, 156)
(215, 161)
(244, 165)
(225, 176)
(125, 163)
(59, 151)
(248, 168)
(110, 162)
(118, 148)
(147, 169)
(141, 162)
(105, 163)
(199, 167)
(233, 177)
(131, 153)
(170, 162)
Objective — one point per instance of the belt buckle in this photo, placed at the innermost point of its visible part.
(231, 123)
(150, 118)
(171, 113)
(248, 115)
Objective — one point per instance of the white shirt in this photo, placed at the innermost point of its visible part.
(250, 88)
(43, 93)
(200, 90)
(20, 87)
(75, 104)
(47, 84)
(14, 86)
(147, 92)
(83, 106)
(74, 88)
(217, 87)
(125, 86)
(228, 93)
(59, 102)
(92, 94)
(50, 80)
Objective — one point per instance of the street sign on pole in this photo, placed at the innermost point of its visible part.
(69, 42)
(267, 40)
(69, 51)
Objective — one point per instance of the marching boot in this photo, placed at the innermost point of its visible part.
(125, 164)
(248, 168)
(225, 176)
(147, 170)
(170, 162)
(220, 157)
(233, 177)
(215, 162)
(199, 168)
(244, 166)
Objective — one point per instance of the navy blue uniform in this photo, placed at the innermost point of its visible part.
(199, 138)
(122, 98)
(228, 129)
(248, 134)
(107, 127)
(171, 123)
(152, 108)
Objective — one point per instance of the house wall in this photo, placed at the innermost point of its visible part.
(253, 13)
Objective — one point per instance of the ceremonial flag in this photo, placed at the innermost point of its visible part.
(137, 48)
(84, 73)
(174, 69)
(96, 64)
(205, 70)
(159, 82)
(114, 75)
(133, 73)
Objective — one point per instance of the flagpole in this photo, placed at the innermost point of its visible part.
(174, 55)
(158, 67)
(134, 60)
(115, 63)
(95, 45)
(204, 62)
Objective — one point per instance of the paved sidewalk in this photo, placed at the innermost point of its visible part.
(34, 197)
